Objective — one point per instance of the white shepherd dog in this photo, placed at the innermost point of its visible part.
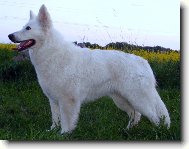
(70, 75)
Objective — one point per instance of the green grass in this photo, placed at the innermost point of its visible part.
(25, 111)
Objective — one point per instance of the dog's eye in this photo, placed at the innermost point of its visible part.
(28, 28)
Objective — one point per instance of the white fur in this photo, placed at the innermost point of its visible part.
(70, 75)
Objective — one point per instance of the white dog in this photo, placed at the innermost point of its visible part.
(70, 75)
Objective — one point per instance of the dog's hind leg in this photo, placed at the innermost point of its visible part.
(125, 106)
(148, 102)
(69, 113)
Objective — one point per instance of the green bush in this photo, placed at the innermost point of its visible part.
(12, 71)
(167, 73)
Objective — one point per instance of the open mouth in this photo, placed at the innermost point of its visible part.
(25, 44)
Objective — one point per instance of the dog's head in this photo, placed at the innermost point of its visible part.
(33, 34)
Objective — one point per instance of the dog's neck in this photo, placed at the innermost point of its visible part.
(47, 49)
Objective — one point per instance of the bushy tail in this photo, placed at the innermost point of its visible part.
(162, 111)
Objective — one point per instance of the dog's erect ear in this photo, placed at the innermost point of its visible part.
(44, 17)
(32, 15)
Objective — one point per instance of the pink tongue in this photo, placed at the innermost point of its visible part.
(24, 44)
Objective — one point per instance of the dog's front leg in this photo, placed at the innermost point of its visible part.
(69, 113)
(55, 110)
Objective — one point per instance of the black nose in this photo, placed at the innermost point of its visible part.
(11, 37)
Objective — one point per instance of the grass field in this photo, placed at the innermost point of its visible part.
(25, 111)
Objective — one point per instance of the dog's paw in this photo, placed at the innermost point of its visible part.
(48, 130)
(62, 132)
(53, 127)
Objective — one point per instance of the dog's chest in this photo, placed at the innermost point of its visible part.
(48, 78)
